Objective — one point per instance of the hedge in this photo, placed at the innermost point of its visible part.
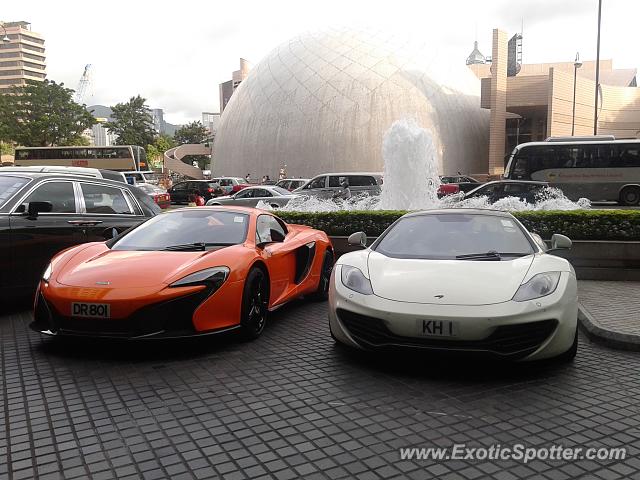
(576, 224)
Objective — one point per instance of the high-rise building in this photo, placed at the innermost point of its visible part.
(211, 120)
(227, 88)
(22, 58)
(158, 120)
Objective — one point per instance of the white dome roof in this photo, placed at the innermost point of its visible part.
(322, 102)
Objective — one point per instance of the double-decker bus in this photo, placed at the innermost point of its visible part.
(599, 168)
(117, 157)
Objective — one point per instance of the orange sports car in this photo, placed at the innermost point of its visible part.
(188, 272)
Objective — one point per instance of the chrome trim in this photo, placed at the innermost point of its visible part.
(37, 185)
(80, 205)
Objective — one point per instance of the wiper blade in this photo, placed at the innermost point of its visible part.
(490, 255)
(187, 246)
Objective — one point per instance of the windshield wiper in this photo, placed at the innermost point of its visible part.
(490, 255)
(187, 246)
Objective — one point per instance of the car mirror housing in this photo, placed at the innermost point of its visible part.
(560, 242)
(358, 239)
(34, 208)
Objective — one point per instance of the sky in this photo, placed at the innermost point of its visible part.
(175, 53)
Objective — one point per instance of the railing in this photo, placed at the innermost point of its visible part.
(173, 160)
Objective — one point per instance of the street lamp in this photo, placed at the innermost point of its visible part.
(5, 38)
(576, 65)
(595, 110)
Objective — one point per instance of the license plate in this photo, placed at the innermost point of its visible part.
(92, 310)
(435, 328)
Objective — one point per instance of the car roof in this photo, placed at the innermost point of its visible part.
(57, 169)
(66, 176)
(224, 208)
(344, 174)
(460, 211)
(296, 179)
(526, 182)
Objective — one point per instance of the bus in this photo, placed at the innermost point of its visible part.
(118, 158)
(599, 168)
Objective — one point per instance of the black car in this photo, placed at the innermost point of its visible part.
(180, 192)
(43, 213)
(494, 191)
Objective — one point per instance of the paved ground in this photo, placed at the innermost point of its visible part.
(293, 405)
(612, 310)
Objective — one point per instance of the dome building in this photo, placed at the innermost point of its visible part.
(322, 102)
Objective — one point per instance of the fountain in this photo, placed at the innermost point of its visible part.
(411, 182)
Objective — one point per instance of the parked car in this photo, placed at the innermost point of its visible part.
(80, 171)
(156, 281)
(231, 185)
(291, 183)
(182, 191)
(276, 197)
(462, 280)
(160, 196)
(494, 191)
(329, 185)
(43, 213)
(143, 176)
(450, 184)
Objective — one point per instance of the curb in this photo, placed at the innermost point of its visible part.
(621, 341)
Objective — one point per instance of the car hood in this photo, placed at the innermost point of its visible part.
(460, 282)
(130, 268)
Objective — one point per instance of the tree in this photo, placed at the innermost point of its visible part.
(132, 122)
(42, 114)
(156, 149)
(193, 132)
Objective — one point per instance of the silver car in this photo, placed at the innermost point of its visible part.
(274, 196)
(332, 185)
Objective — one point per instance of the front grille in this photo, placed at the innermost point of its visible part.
(517, 340)
(170, 318)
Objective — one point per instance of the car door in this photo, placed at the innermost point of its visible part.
(35, 240)
(105, 207)
(179, 192)
(260, 194)
(278, 251)
(317, 188)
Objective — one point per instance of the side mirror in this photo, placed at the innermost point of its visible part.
(110, 233)
(358, 239)
(34, 208)
(560, 242)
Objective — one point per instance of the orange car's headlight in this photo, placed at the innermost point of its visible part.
(214, 277)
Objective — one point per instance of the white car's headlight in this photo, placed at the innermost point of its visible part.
(539, 285)
(47, 273)
(354, 279)
(211, 276)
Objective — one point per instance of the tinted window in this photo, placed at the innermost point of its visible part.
(246, 193)
(180, 186)
(183, 227)
(448, 235)
(9, 186)
(103, 199)
(60, 194)
(266, 225)
(316, 183)
(361, 181)
(261, 193)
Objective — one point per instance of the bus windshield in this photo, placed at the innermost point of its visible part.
(119, 158)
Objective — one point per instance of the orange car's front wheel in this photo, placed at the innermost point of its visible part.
(254, 304)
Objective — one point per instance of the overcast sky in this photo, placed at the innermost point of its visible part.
(175, 53)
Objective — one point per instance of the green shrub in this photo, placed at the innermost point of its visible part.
(576, 224)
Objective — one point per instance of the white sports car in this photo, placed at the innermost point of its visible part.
(457, 279)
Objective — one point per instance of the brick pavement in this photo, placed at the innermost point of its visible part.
(292, 405)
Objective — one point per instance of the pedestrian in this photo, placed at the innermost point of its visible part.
(345, 192)
(264, 179)
(248, 178)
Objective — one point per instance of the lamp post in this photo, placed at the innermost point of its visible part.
(5, 38)
(576, 65)
(595, 110)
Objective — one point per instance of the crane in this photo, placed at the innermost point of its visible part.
(83, 84)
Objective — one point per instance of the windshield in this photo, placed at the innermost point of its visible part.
(449, 236)
(211, 228)
(9, 186)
